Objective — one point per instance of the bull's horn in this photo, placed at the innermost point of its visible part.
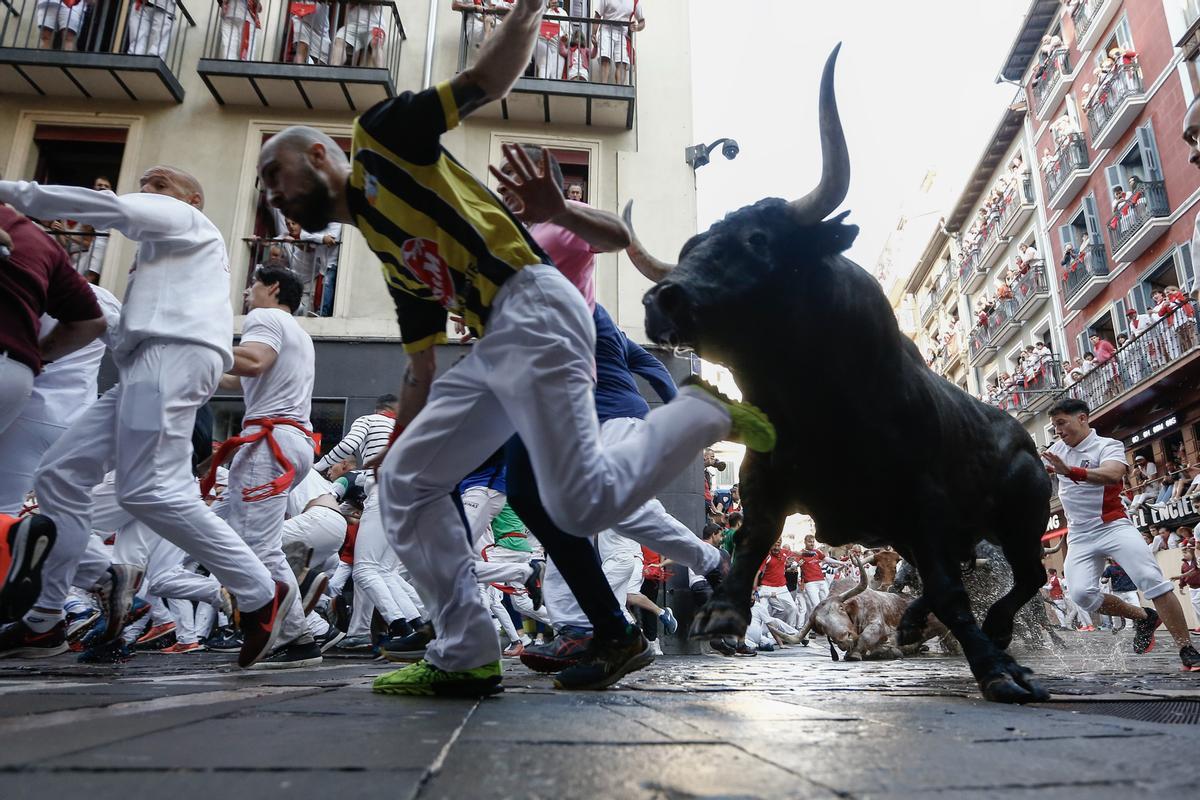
(807, 627)
(646, 264)
(862, 582)
(835, 159)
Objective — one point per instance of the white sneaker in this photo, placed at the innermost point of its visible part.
(656, 647)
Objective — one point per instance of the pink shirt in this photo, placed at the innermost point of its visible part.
(574, 257)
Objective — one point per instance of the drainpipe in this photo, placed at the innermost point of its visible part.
(430, 36)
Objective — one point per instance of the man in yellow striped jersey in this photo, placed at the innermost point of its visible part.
(448, 245)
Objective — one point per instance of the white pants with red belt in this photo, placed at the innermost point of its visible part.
(811, 594)
(149, 30)
(376, 576)
(532, 374)
(780, 603)
(143, 428)
(237, 39)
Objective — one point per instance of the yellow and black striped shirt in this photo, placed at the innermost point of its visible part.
(447, 243)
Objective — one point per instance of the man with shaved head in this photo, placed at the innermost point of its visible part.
(172, 345)
(449, 245)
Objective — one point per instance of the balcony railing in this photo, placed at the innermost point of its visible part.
(1132, 214)
(1163, 344)
(1090, 262)
(1072, 155)
(1084, 15)
(329, 55)
(1123, 82)
(566, 80)
(1019, 194)
(1033, 389)
(1029, 286)
(978, 342)
(1051, 73)
(945, 281)
(85, 248)
(313, 262)
(97, 48)
(968, 266)
(929, 306)
(1002, 312)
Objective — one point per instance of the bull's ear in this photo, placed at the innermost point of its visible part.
(833, 236)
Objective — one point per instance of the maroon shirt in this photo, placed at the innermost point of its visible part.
(38, 279)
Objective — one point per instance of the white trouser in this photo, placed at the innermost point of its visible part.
(237, 39)
(762, 623)
(260, 522)
(360, 615)
(321, 528)
(811, 594)
(149, 31)
(481, 505)
(532, 374)
(16, 384)
(1121, 542)
(560, 604)
(503, 566)
(780, 603)
(21, 449)
(524, 607)
(547, 61)
(493, 598)
(375, 578)
(341, 574)
(650, 524)
(92, 565)
(624, 574)
(143, 426)
(1195, 596)
(192, 623)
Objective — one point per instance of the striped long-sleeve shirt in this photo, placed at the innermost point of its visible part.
(367, 437)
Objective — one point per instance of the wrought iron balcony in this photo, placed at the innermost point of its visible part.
(1032, 390)
(1089, 266)
(1091, 17)
(945, 281)
(1018, 203)
(563, 84)
(1164, 344)
(929, 307)
(1132, 216)
(327, 56)
(970, 273)
(111, 53)
(1049, 82)
(314, 262)
(979, 343)
(1067, 172)
(1118, 101)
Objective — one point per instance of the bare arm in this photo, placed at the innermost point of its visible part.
(67, 337)
(501, 60)
(231, 383)
(1107, 473)
(252, 359)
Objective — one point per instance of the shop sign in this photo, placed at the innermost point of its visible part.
(1154, 430)
(1175, 512)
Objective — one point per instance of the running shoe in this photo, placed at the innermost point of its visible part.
(292, 656)
(180, 648)
(513, 650)
(80, 622)
(106, 653)
(563, 651)
(260, 628)
(399, 628)
(1143, 631)
(312, 589)
(330, 638)
(18, 640)
(1088, 629)
(225, 639)
(766, 647)
(722, 646)
(424, 679)
(657, 647)
(669, 623)
(157, 638)
(1190, 659)
(116, 594)
(747, 424)
(606, 661)
(744, 650)
(24, 545)
(356, 644)
(411, 647)
(533, 584)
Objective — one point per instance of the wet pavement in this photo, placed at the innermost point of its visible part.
(786, 724)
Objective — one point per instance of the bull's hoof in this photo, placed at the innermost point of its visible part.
(1014, 685)
(718, 618)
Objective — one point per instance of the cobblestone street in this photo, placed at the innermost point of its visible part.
(786, 724)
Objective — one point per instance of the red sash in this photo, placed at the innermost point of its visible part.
(265, 427)
(301, 9)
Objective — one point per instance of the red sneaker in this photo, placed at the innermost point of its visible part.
(260, 627)
(24, 545)
(182, 647)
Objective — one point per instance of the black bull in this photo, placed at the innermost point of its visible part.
(873, 445)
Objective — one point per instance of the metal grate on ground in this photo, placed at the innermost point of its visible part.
(1171, 712)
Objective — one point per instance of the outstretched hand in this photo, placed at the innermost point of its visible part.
(1055, 465)
(540, 199)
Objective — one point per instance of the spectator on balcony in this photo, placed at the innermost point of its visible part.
(150, 24)
(547, 61)
(1143, 487)
(616, 41)
(310, 31)
(579, 55)
(363, 34)
(1183, 484)
(1003, 290)
(575, 192)
(476, 24)
(61, 18)
(239, 28)
(1068, 258)
(1089, 363)
(1102, 349)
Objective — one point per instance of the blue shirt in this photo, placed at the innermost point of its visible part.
(1121, 582)
(491, 475)
(617, 361)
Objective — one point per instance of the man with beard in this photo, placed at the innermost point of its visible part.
(449, 244)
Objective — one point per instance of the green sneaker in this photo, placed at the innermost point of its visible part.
(424, 679)
(748, 424)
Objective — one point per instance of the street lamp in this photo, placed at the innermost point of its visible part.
(697, 155)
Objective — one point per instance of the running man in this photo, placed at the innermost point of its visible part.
(1090, 470)
(449, 244)
(173, 343)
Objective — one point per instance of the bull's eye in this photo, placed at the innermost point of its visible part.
(758, 240)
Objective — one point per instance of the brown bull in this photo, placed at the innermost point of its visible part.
(862, 622)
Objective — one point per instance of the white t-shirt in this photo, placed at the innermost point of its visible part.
(66, 387)
(284, 390)
(619, 10)
(1089, 506)
(309, 489)
(1031, 254)
(613, 545)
